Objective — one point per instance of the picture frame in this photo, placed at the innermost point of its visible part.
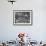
(22, 17)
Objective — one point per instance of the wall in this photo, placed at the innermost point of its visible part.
(37, 31)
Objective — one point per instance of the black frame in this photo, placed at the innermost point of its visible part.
(31, 12)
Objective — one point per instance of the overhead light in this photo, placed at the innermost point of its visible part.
(12, 1)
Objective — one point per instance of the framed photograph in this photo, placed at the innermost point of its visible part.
(22, 17)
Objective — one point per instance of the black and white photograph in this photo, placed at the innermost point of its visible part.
(22, 16)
